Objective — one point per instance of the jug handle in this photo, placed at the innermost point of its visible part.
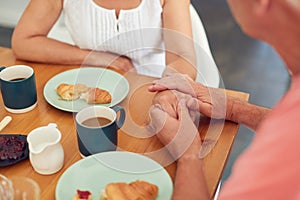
(53, 125)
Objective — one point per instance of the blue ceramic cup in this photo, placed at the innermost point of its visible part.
(18, 88)
(97, 129)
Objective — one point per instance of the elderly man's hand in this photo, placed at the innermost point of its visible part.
(180, 136)
(213, 102)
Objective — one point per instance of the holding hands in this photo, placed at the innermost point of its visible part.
(212, 102)
(180, 136)
(178, 100)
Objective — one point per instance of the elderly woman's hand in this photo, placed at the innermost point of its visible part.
(180, 136)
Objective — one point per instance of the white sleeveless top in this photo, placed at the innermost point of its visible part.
(136, 33)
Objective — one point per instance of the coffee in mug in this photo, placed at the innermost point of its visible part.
(18, 88)
(97, 128)
(96, 122)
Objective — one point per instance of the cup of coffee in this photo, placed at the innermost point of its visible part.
(18, 88)
(97, 128)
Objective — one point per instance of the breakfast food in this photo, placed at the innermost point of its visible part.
(137, 190)
(11, 147)
(82, 195)
(91, 95)
(71, 92)
(96, 95)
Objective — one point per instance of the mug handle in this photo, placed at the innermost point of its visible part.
(2, 68)
(121, 119)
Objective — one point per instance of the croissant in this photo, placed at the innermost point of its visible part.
(71, 92)
(137, 190)
(96, 95)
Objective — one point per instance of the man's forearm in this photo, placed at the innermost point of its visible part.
(190, 182)
(247, 114)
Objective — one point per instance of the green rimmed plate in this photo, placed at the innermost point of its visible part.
(111, 81)
(93, 173)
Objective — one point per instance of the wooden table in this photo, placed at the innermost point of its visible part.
(136, 104)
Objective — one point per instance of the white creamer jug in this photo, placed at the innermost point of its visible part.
(46, 154)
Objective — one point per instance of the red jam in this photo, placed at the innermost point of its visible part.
(11, 147)
(83, 194)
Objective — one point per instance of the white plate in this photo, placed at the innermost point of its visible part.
(105, 79)
(93, 173)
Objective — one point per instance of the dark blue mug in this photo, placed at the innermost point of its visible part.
(18, 88)
(97, 129)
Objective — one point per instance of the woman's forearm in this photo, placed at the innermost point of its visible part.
(56, 52)
(178, 37)
(190, 182)
(183, 66)
(46, 50)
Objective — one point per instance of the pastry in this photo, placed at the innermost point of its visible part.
(82, 195)
(96, 95)
(71, 92)
(137, 190)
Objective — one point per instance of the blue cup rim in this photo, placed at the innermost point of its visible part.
(93, 107)
(6, 70)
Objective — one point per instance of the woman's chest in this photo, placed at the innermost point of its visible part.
(118, 5)
(91, 25)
